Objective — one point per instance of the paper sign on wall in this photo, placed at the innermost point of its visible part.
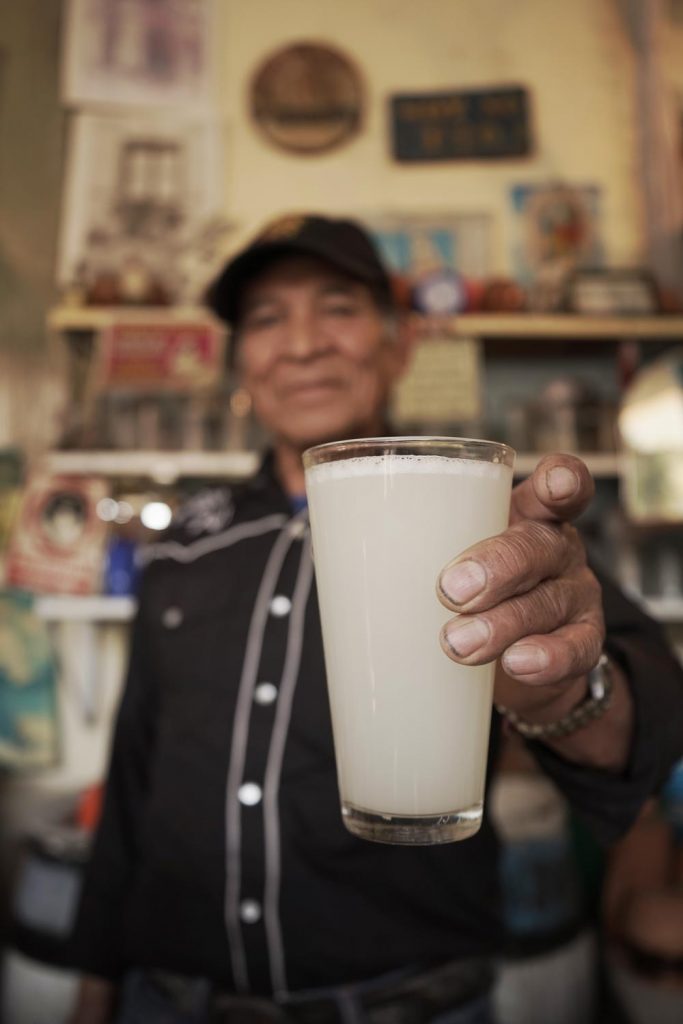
(443, 383)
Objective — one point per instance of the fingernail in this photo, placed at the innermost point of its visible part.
(461, 582)
(525, 659)
(561, 482)
(467, 638)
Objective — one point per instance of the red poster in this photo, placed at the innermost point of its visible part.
(180, 356)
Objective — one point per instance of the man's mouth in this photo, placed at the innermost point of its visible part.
(311, 389)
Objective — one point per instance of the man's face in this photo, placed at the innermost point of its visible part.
(315, 352)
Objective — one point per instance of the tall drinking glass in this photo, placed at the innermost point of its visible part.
(410, 726)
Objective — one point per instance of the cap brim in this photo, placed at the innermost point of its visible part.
(224, 293)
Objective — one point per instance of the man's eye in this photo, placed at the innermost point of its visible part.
(343, 309)
(261, 321)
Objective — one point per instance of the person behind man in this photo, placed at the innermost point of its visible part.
(222, 884)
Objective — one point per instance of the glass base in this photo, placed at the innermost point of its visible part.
(409, 830)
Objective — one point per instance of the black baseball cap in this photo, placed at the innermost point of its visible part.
(342, 243)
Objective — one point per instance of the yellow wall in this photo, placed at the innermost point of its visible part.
(573, 57)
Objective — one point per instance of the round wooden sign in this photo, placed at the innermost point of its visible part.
(307, 98)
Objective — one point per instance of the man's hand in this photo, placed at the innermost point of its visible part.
(527, 595)
(529, 598)
(95, 1002)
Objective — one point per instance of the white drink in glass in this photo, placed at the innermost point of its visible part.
(410, 726)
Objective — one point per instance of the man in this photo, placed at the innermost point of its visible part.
(223, 885)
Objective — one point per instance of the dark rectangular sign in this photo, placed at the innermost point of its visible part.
(483, 125)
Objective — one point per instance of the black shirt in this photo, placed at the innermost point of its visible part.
(221, 850)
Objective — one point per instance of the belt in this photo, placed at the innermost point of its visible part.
(399, 998)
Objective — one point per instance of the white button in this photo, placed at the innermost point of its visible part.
(250, 911)
(172, 617)
(297, 529)
(280, 606)
(265, 693)
(249, 794)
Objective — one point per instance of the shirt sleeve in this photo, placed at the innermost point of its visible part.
(96, 944)
(609, 803)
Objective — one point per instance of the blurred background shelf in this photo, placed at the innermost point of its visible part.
(95, 318)
(72, 608)
(565, 327)
(239, 465)
(663, 609)
(103, 609)
(158, 465)
(546, 327)
(602, 465)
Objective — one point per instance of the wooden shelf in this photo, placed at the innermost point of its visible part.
(566, 327)
(164, 467)
(601, 465)
(95, 318)
(103, 609)
(71, 608)
(663, 609)
(546, 327)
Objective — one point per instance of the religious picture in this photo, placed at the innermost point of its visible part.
(556, 229)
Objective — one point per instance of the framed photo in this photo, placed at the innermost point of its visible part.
(144, 190)
(628, 292)
(137, 52)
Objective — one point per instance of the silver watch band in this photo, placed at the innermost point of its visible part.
(596, 702)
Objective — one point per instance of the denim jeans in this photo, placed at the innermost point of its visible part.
(144, 1003)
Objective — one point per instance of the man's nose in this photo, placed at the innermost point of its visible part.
(305, 338)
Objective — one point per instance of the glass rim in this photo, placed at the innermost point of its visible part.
(471, 448)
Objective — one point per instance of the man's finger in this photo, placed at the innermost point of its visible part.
(559, 488)
(569, 651)
(511, 563)
(478, 639)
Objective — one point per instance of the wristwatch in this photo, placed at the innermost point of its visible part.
(596, 702)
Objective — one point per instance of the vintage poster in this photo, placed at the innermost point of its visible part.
(557, 228)
(137, 52)
(28, 707)
(58, 541)
(185, 356)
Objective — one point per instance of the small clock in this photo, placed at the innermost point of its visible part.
(440, 293)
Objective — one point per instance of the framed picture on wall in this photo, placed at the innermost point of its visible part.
(138, 52)
(434, 255)
(141, 192)
(417, 243)
(555, 225)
